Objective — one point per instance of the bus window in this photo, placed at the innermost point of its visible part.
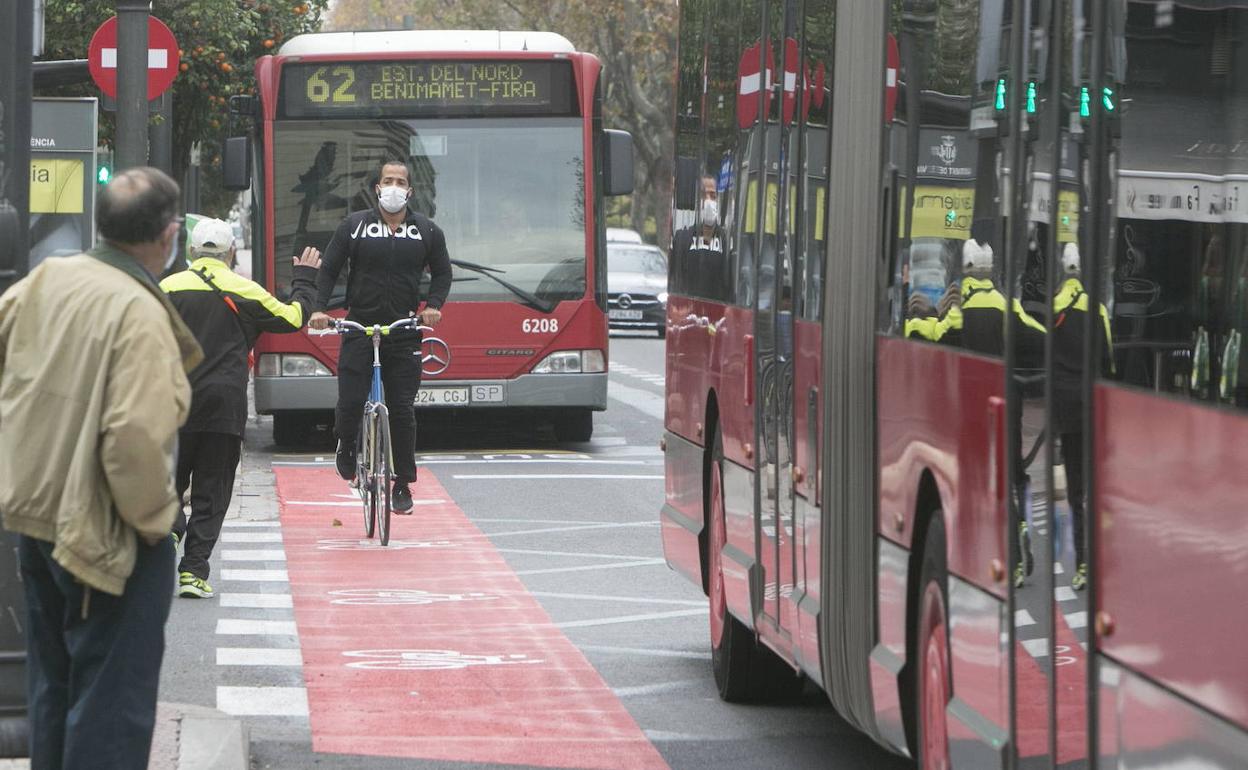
(815, 103)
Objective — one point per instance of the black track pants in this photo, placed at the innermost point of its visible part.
(400, 377)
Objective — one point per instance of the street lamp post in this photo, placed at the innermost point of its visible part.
(131, 139)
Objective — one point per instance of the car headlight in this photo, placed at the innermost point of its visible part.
(572, 362)
(663, 297)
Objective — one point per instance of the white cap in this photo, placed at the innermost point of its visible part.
(1070, 259)
(211, 236)
(976, 257)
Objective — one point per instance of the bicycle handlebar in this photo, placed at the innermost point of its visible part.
(343, 326)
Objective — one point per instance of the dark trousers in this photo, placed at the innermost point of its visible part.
(206, 466)
(92, 681)
(1072, 458)
(400, 377)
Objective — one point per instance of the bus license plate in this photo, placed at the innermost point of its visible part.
(434, 396)
(624, 315)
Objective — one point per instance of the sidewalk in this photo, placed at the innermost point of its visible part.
(188, 738)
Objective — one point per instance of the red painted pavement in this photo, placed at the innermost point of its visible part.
(472, 670)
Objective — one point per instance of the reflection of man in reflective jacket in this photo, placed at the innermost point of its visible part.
(1070, 330)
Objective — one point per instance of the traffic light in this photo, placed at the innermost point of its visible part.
(1000, 103)
(1031, 97)
(103, 165)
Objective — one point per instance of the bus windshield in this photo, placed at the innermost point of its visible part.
(508, 193)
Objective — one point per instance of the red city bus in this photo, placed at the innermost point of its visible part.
(956, 394)
(503, 132)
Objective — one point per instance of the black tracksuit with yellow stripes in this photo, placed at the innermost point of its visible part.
(226, 312)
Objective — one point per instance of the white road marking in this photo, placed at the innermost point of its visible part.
(574, 555)
(1077, 620)
(248, 627)
(651, 404)
(251, 537)
(574, 528)
(1039, 648)
(644, 653)
(232, 523)
(592, 567)
(631, 618)
(259, 656)
(656, 688)
(1065, 594)
(1023, 618)
(553, 476)
(605, 598)
(257, 601)
(263, 701)
(256, 575)
(258, 555)
(1058, 569)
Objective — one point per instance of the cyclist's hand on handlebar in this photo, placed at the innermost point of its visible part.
(430, 316)
(320, 321)
(311, 257)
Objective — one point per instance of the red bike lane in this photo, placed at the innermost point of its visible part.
(432, 648)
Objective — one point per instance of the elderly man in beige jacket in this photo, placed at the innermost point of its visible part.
(93, 387)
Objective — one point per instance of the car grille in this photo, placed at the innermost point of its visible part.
(639, 301)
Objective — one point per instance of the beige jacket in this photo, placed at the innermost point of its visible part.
(93, 387)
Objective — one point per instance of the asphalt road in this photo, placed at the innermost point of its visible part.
(600, 579)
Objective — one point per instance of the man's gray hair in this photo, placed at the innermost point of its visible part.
(136, 206)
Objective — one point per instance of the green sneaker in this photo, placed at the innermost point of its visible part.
(193, 587)
(1080, 579)
(1020, 576)
(176, 540)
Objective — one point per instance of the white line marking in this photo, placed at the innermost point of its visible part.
(589, 567)
(246, 627)
(258, 656)
(631, 618)
(1023, 618)
(257, 601)
(656, 688)
(1077, 620)
(256, 575)
(1058, 569)
(605, 598)
(1065, 594)
(553, 476)
(263, 701)
(537, 521)
(251, 537)
(1039, 648)
(544, 530)
(644, 401)
(574, 555)
(644, 653)
(232, 523)
(262, 555)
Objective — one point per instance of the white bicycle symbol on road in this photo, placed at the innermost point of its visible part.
(430, 660)
(402, 596)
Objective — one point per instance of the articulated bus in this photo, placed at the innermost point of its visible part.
(504, 134)
(956, 419)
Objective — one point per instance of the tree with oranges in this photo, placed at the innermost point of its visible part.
(220, 41)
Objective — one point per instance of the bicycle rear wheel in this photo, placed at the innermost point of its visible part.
(382, 474)
(364, 474)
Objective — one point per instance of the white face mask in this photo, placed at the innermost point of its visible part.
(392, 198)
(173, 250)
(710, 213)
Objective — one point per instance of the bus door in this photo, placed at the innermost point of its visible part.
(774, 305)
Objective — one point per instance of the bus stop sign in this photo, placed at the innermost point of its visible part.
(162, 57)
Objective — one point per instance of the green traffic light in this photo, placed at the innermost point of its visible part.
(951, 216)
(1085, 103)
(1107, 98)
(104, 175)
(1000, 94)
(1031, 97)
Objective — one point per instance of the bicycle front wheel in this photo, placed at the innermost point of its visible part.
(366, 446)
(381, 477)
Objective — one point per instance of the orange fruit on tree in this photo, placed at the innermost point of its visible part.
(184, 67)
(269, 43)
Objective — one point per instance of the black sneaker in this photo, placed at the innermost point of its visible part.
(401, 498)
(345, 461)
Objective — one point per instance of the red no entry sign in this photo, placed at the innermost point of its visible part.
(891, 68)
(162, 57)
(752, 76)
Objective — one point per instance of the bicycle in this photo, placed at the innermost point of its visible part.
(374, 459)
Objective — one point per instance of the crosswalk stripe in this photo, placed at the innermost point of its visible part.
(240, 523)
(1023, 618)
(1038, 648)
(256, 575)
(249, 627)
(257, 555)
(251, 537)
(1077, 620)
(263, 701)
(257, 601)
(259, 656)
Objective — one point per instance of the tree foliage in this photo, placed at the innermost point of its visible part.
(636, 40)
(220, 41)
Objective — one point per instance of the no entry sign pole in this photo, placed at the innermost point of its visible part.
(131, 140)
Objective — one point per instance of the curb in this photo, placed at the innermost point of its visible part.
(190, 737)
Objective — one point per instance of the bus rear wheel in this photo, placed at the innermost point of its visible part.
(932, 674)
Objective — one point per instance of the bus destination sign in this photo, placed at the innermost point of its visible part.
(427, 87)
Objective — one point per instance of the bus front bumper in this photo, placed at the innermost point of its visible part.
(528, 391)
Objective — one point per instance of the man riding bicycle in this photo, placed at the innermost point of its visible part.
(388, 249)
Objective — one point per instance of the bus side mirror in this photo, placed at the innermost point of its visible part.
(687, 179)
(236, 163)
(618, 163)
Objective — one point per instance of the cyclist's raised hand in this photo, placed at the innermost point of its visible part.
(430, 316)
(320, 321)
(310, 257)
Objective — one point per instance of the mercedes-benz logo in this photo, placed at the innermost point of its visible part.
(625, 301)
(435, 356)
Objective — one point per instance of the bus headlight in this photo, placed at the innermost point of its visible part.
(662, 298)
(572, 362)
(290, 365)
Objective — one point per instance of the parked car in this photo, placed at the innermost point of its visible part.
(623, 235)
(636, 287)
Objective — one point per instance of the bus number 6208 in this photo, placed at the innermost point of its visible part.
(539, 325)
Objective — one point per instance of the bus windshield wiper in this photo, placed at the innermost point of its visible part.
(532, 300)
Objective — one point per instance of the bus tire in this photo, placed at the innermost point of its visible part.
(662, 331)
(732, 644)
(933, 675)
(577, 425)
